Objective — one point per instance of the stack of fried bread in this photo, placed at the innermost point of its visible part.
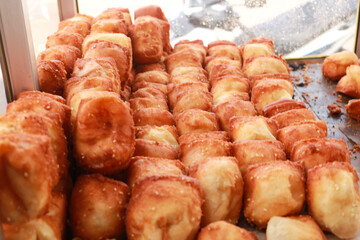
(168, 142)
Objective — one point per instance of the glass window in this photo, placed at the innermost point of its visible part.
(298, 28)
(3, 101)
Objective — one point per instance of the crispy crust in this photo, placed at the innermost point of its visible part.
(227, 110)
(196, 121)
(183, 70)
(298, 131)
(65, 38)
(269, 91)
(252, 128)
(153, 116)
(229, 84)
(115, 13)
(288, 199)
(141, 167)
(257, 47)
(139, 103)
(333, 198)
(174, 90)
(75, 25)
(165, 134)
(350, 83)
(190, 78)
(196, 46)
(221, 43)
(302, 227)
(149, 92)
(316, 151)
(287, 118)
(230, 51)
(104, 134)
(164, 207)
(211, 62)
(98, 67)
(250, 152)
(334, 66)
(57, 210)
(121, 54)
(64, 53)
(353, 108)
(26, 160)
(231, 96)
(263, 77)
(189, 137)
(282, 105)
(220, 70)
(150, 67)
(151, 148)
(96, 197)
(153, 76)
(52, 76)
(143, 84)
(110, 26)
(194, 151)
(223, 230)
(150, 10)
(183, 58)
(222, 187)
(44, 227)
(265, 64)
(193, 99)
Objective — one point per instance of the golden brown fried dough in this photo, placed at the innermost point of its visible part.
(57, 210)
(28, 174)
(152, 148)
(250, 152)
(301, 227)
(97, 67)
(75, 25)
(230, 51)
(287, 118)
(65, 38)
(267, 92)
(165, 134)
(282, 105)
(189, 137)
(141, 167)
(183, 58)
(211, 62)
(82, 17)
(222, 187)
(287, 196)
(350, 83)
(149, 92)
(227, 110)
(110, 26)
(265, 64)
(190, 78)
(153, 116)
(78, 84)
(183, 70)
(52, 76)
(333, 198)
(353, 109)
(334, 66)
(121, 54)
(193, 99)
(64, 53)
(104, 135)
(298, 131)
(148, 48)
(151, 67)
(115, 13)
(196, 46)
(32, 123)
(194, 151)
(257, 47)
(51, 106)
(223, 230)
(144, 84)
(229, 84)
(263, 77)
(231, 96)
(252, 128)
(174, 90)
(196, 121)
(150, 10)
(97, 207)
(164, 207)
(316, 151)
(44, 228)
(139, 103)
(220, 70)
(153, 76)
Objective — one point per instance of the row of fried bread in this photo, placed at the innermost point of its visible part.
(344, 67)
(35, 182)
